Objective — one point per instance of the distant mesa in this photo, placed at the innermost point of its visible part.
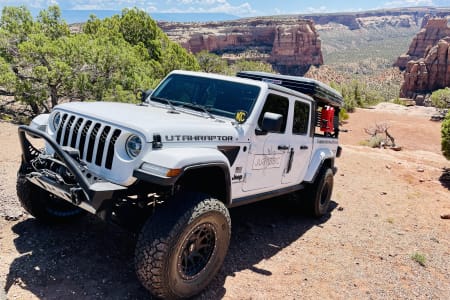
(290, 45)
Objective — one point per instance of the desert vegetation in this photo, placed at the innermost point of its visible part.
(441, 98)
(213, 63)
(42, 62)
(445, 135)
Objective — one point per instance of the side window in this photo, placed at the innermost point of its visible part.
(276, 104)
(301, 118)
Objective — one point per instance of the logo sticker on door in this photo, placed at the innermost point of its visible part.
(267, 161)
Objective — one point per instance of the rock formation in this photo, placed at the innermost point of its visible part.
(429, 73)
(290, 42)
(290, 45)
(428, 61)
(434, 30)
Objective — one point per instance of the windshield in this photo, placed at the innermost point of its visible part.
(219, 97)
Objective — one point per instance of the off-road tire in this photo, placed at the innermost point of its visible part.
(166, 258)
(319, 193)
(42, 205)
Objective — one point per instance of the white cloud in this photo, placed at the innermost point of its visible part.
(181, 6)
(320, 9)
(111, 5)
(202, 2)
(29, 3)
(150, 9)
(211, 6)
(403, 3)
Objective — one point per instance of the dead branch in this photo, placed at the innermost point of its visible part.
(381, 129)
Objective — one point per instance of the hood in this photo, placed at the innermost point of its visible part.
(181, 126)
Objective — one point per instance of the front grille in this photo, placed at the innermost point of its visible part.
(94, 140)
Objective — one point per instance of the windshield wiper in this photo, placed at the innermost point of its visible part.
(198, 107)
(161, 99)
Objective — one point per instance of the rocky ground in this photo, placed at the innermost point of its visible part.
(383, 239)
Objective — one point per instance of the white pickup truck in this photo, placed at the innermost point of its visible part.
(171, 167)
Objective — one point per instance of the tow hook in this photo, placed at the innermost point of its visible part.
(77, 195)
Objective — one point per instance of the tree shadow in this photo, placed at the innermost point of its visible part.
(444, 179)
(88, 259)
(94, 260)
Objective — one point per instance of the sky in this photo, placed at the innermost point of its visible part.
(245, 8)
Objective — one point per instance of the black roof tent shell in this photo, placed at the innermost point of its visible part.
(321, 92)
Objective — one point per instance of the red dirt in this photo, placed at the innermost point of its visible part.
(386, 208)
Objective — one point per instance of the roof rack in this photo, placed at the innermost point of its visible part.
(319, 91)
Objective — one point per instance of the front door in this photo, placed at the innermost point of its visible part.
(268, 153)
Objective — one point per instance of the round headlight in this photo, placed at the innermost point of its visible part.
(56, 120)
(133, 146)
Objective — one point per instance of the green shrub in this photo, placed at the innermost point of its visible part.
(419, 258)
(41, 62)
(375, 141)
(343, 114)
(398, 101)
(441, 98)
(445, 135)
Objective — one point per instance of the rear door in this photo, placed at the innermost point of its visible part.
(300, 143)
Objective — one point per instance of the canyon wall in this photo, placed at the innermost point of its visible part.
(434, 29)
(291, 45)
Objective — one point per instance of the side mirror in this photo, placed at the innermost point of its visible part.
(271, 122)
(145, 94)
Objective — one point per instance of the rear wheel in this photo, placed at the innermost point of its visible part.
(182, 247)
(319, 193)
(43, 205)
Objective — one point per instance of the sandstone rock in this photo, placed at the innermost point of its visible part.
(428, 74)
(434, 30)
(428, 68)
(291, 45)
(445, 216)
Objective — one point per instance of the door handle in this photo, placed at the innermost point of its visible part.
(291, 158)
(303, 147)
(283, 147)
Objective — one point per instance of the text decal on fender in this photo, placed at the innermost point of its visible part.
(197, 138)
(267, 161)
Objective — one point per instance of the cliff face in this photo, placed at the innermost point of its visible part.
(295, 49)
(429, 73)
(433, 31)
(291, 46)
(291, 43)
(427, 63)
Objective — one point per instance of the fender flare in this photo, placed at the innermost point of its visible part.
(183, 160)
(317, 160)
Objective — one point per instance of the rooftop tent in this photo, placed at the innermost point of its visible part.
(316, 89)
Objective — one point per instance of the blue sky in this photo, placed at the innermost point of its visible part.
(239, 8)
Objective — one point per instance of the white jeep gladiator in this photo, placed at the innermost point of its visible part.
(171, 167)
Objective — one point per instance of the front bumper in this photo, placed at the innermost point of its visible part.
(87, 191)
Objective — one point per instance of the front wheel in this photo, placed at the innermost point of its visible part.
(43, 205)
(182, 247)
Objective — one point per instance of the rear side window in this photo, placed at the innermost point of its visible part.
(301, 118)
(276, 104)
